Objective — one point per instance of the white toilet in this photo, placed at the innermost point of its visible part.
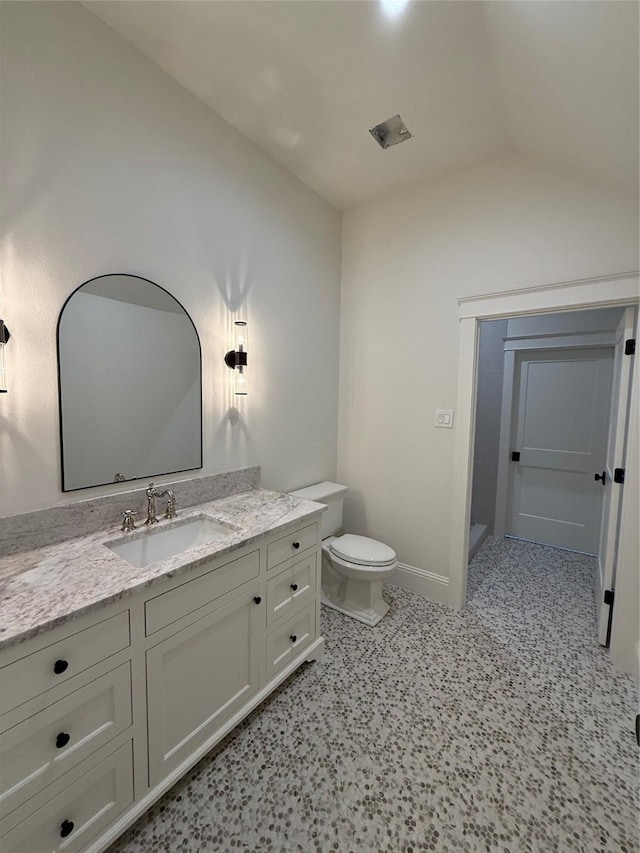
(353, 567)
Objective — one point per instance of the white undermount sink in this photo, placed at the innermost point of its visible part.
(156, 545)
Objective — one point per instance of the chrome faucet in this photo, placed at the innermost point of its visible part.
(152, 493)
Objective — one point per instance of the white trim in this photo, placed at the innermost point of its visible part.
(584, 340)
(429, 584)
(606, 291)
(540, 288)
(504, 447)
(609, 291)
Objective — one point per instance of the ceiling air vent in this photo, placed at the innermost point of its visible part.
(390, 132)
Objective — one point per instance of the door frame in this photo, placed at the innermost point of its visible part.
(621, 289)
(512, 348)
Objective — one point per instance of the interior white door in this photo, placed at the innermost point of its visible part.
(561, 401)
(615, 454)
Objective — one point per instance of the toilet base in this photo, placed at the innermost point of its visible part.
(369, 616)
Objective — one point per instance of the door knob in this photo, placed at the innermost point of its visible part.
(601, 477)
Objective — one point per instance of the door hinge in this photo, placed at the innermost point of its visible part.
(618, 475)
(515, 455)
(630, 347)
(608, 596)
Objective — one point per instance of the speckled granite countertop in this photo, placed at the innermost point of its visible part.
(48, 586)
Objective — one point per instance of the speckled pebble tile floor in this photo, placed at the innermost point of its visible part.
(502, 728)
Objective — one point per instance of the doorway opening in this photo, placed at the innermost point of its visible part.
(548, 393)
(615, 291)
(543, 405)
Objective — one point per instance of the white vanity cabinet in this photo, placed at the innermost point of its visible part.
(66, 770)
(102, 714)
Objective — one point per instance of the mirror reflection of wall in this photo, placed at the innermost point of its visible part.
(130, 383)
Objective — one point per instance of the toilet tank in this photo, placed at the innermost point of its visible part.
(330, 494)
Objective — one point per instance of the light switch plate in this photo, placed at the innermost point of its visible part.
(444, 418)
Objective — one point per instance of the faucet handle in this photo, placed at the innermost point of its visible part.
(128, 523)
(171, 504)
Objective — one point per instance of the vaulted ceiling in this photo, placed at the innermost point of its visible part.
(305, 80)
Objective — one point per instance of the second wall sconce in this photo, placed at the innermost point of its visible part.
(4, 337)
(236, 358)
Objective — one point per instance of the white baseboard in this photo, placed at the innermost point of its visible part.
(431, 586)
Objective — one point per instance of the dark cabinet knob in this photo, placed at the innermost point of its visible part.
(62, 739)
(60, 666)
(293, 638)
(296, 545)
(66, 828)
(257, 599)
(294, 586)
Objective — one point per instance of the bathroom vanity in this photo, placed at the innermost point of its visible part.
(117, 678)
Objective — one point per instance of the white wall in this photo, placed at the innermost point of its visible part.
(510, 223)
(108, 165)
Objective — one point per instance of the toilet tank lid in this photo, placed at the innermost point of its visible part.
(320, 492)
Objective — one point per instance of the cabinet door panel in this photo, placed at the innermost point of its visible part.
(198, 678)
(46, 745)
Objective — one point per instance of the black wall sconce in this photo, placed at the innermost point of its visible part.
(4, 337)
(236, 358)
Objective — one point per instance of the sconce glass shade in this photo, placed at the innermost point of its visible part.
(236, 358)
(4, 337)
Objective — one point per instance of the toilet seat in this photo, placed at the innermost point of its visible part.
(362, 551)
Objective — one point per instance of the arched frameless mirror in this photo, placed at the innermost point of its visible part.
(129, 377)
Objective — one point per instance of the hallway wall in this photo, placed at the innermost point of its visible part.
(487, 433)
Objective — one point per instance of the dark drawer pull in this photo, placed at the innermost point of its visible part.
(257, 599)
(293, 638)
(62, 739)
(60, 666)
(296, 545)
(294, 586)
(66, 828)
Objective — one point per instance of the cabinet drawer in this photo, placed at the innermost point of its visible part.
(34, 674)
(80, 812)
(37, 751)
(290, 590)
(291, 545)
(171, 606)
(285, 642)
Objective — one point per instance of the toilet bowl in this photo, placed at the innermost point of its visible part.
(353, 571)
(353, 567)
